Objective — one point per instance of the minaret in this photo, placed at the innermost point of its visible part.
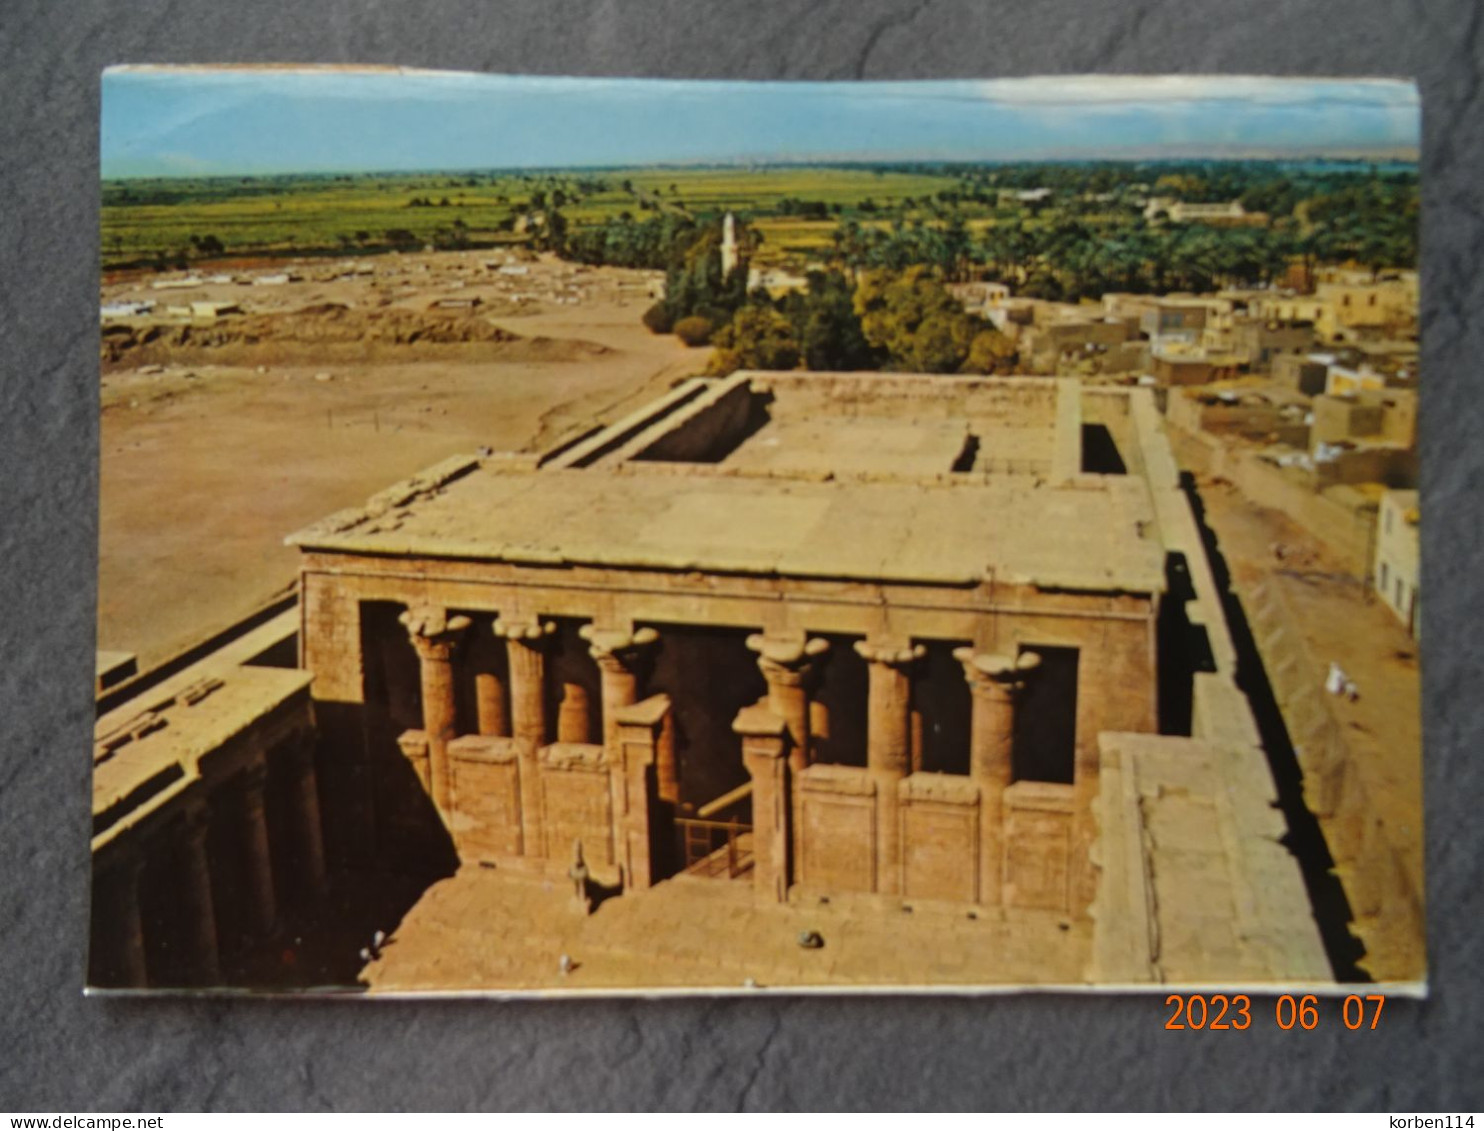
(728, 245)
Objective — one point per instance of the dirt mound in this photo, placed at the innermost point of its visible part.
(542, 348)
(326, 329)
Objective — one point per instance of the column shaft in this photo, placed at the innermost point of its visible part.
(666, 770)
(262, 906)
(202, 960)
(788, 663)
(574, 714)
(434, 633)
(888, 757)
(117, 930)
(790, 702)
(489, 698)
(438, 721)
(620, 688)
(309, 845)
(528, 725)
(994, 683)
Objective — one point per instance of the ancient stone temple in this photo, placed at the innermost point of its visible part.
(836, 633)
(916, 641)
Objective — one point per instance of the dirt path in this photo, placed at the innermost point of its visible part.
(1340, 620)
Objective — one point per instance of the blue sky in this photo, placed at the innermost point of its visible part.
(160, 121)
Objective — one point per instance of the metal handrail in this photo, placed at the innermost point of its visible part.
(725, 801)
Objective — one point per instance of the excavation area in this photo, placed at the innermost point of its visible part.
(238, 407)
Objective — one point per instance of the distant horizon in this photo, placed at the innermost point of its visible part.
(194, 123)
(1377, 158)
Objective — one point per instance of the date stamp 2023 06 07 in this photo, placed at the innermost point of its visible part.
(1235, 1011)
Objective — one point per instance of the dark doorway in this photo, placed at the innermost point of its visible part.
(1183, 649)
(480, 651)
(1046, 718)
(838, 723)
(941, 709)
(1100, 455)
(574, 694)
(410, 836)
(709, 675)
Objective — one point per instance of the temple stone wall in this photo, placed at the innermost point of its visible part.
(836, 844)
(486, 782)
(503, 805)
(940, 837)
(207, 832)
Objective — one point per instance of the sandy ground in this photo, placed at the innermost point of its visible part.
(214, 450)
(484, 929)
(1341, 620)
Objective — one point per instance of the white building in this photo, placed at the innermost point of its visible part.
(1397, 575)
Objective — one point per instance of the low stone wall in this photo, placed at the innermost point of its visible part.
(486, 822)
(835, 843)
(1349, 533)
(700, 430)
(940, 837)
(939, 825)
(1038, 845)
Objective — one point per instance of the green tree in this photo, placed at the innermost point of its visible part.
(991, 352)
(826, 325)
(912, 317)
(694, 330)
(757, 337)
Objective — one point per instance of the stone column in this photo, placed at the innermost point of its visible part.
(304, 819)
(257, 861)
(639, 734)
(619, 652)
(789, 664)
(489, 690)
(765, 754)
(574, 714)
(667, 769)
(889, 746)
(202, 961)
(995, 682)
(434, 634)
(525, 642)
(118, 933)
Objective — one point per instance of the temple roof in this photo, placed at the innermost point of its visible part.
(949, 529)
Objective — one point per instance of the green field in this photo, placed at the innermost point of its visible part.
(1077, 230)
(147, 220)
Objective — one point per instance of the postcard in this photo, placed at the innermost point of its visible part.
(573, 536)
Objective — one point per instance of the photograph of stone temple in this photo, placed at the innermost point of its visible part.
(777, 652)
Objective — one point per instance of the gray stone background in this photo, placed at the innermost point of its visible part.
(60, 1052)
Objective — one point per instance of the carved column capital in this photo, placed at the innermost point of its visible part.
(191, 825)
(617, 649)
(530, 631)
(787, 660)
(891, 653)
(996, 675)
(122, 861)
(432, 631)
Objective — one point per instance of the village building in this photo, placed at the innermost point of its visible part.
(1177, 364)
(1225, 212)
(1260, 344)
(1397, 573)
